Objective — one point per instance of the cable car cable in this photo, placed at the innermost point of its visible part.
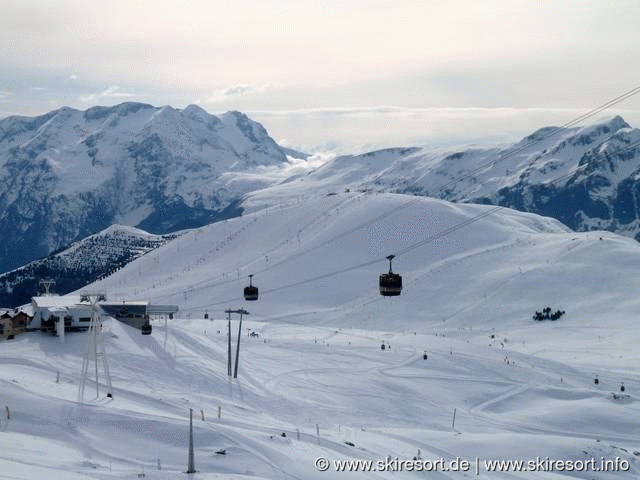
(453, 228)
(551, 133)
(421, 243)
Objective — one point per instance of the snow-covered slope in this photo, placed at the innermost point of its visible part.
(586, 177)
(294, 251)
(70, 173)
(81, 263)
(313, 380)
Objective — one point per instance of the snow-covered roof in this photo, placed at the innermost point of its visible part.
(129, 302)
(56, 301)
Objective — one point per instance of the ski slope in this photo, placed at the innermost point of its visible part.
(314, 369)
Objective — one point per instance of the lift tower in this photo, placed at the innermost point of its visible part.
(95, 347)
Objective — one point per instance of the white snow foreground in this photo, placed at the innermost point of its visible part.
(313, 380)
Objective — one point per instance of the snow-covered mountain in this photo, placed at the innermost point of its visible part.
(83, 262)
(586, 177)
(303, 254)
(70, 173)
(314, 382)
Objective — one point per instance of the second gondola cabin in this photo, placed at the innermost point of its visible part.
(250, 292)
(146, 329)
(390, 283)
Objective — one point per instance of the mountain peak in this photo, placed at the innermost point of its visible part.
(195, 112)
(159, 168)
(606, 126)
(238, 118)
(617, 123)
(235, 114)
(121, 109)
(251, 129)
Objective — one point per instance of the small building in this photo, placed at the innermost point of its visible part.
(13, 322)
(6, 325)
(20, 321)
(50, 309)
(75, 311)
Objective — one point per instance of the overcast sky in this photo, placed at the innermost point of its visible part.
(344, 75)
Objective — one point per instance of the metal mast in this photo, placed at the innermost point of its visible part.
(191, 467)
(46, 286)
(241, 312)
(95, 347)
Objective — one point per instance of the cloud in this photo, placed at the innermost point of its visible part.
(235, 91)
(390, 110)
(344, 130)
(110, 93)
(73, 77)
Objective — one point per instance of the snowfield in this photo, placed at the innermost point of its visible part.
(313, 378)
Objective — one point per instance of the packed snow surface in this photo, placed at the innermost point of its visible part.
(313, 378)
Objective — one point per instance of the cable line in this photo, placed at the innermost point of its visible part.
(409, 248)
(449, 230)
(549, 134)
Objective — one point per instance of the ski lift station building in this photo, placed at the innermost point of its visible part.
(75, 311)
(50, 309)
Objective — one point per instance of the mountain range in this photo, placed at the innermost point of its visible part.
(69, 174)
(586, 177)
(454, 369)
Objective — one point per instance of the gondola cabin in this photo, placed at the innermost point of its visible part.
(250, 292)
(146, 329)
(390, 283)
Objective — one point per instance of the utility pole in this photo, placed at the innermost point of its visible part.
(191, 468)
(241, 312)
(229, 343)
